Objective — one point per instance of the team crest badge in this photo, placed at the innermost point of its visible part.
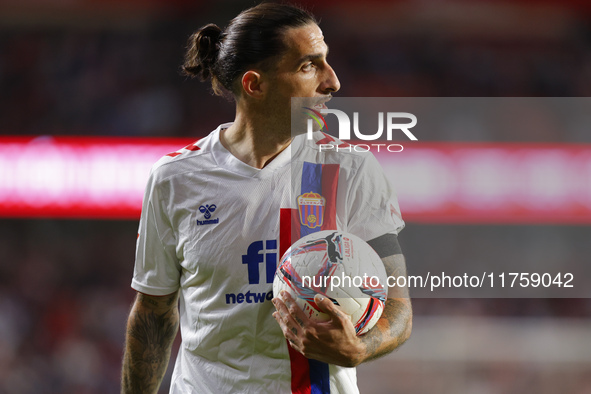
(311, 208)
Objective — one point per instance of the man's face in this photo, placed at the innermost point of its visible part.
(302, 71)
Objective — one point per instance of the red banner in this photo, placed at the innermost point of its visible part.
(77, 177)
(492, 183)
(101, 177)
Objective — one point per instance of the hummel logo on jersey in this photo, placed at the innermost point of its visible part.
(207, 210)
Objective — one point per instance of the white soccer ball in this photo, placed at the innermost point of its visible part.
(340, 266)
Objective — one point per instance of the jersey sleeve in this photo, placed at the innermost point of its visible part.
(374, 209)
(157, 269)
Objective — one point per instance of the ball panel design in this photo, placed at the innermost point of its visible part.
(340, 266)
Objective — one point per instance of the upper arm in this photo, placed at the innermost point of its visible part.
(388, 248)
(373, 206)
(396, 267)
(157, 304)
(157, 267)
(153, 321)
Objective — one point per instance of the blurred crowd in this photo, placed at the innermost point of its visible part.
(64, 299)
(64, 285)
(96, 82)
(65, 295)
(126, 81)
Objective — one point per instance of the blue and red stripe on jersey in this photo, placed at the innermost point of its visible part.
(310, 376)
(322, 179)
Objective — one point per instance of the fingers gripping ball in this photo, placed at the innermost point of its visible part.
(337, 265)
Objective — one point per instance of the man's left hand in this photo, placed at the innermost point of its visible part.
(333, 341)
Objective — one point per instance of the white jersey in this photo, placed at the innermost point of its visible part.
(215, 227)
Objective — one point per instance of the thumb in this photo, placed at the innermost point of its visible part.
(327, 306)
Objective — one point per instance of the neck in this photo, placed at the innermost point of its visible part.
(254, 141)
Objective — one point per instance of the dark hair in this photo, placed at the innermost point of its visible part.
(253, 38)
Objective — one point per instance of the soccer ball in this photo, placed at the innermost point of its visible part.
(340, 266)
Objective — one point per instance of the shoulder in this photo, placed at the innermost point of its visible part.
(194, 157)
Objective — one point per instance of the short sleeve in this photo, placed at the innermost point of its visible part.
(157, 269)
(373, 209)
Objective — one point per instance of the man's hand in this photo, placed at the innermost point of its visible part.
(333, 341)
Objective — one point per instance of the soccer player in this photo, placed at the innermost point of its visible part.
(218, 214)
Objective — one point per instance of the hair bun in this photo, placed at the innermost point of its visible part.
(252, 39)
(202, 51)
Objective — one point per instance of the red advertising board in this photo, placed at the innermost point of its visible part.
(104, 177)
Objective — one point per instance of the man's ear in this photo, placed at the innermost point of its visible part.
(252, 84)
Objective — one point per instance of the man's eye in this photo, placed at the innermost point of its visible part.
(307, 66)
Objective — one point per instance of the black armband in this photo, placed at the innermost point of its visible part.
(386, 245)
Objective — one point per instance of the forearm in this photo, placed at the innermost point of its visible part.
(395, 325)
(151, 329)
(391, 330)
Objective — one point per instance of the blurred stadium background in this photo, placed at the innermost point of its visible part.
(110, 68)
